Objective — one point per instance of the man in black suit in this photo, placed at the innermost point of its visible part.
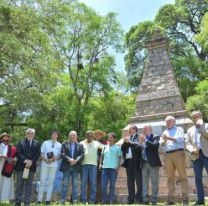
(150, 163)
(28, 152)
(72, 154)
(132, 162)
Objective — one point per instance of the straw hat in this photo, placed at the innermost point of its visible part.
(4, 134)
(100, 132)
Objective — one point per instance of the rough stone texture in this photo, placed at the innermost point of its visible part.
(159, 96)
(158, 92)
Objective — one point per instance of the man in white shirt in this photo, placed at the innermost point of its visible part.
(197, 145)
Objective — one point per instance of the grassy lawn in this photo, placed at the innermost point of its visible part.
(33, 204)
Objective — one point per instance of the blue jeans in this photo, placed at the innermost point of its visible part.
(88, 172)
(66, 177)
(198, 166)
(108, 175)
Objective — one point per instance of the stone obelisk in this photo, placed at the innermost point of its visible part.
(159, 95)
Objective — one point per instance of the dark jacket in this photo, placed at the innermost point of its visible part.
(151, 149)
(66, 154)
(136, 154)
(25, 151)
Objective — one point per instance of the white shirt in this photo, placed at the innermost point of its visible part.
(49, 146)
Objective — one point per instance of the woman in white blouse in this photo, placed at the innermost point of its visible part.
(50, 154)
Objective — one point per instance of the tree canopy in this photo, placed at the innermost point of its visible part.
(182, 24)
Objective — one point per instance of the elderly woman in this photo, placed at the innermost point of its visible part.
(7, 161)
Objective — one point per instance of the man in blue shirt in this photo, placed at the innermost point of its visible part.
(172, 141)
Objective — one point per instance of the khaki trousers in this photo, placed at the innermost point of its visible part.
(176, 161)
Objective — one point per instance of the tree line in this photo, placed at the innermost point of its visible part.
(57, 68)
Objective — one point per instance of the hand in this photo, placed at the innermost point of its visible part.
(28, 163)
(199, 123)
(3, 156)
(195, 151)
(100, 167)
(141, 138)
(165, 137)
(126, 139)
(73, 162)
(55, 158)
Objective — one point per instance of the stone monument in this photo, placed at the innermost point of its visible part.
(159, 96)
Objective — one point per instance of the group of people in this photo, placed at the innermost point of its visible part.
(98, 161)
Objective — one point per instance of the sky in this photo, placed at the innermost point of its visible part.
(130, 13)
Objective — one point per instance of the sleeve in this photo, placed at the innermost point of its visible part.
(203, 130)
(43, 148)
(19, 152)
(37, 155)
(81, 154)
(179, 135)
(119, 152)
(188, 142)
(63, 153)
(155, 144)
(100, 146)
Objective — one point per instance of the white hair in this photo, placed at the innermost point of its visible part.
(170, 118)
(147, 125)
(196, 112)
(73, 132)
(30, 130)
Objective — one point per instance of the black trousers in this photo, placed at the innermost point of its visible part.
(24, 187)
(134, 174)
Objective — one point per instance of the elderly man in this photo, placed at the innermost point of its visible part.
(172, 141)
(151, 163)
(197, 145)
(28, 152)
(72, 154)
(132, 162)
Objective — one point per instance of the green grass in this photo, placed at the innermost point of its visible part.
(33, 204)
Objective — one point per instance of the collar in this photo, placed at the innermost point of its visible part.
(172, 128)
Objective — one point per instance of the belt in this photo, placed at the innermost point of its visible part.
(175, 150)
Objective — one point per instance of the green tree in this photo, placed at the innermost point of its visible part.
(181, 24)
(200, 100)
(81, 39)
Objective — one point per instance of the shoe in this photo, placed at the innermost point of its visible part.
(74, 202)
(154, 203)
(38, 203)
(27, 204)
(48, 203)
(185, 203)
(170, 203)
(130, 202)
(18, 204)
(145, 203)
(199, 203)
